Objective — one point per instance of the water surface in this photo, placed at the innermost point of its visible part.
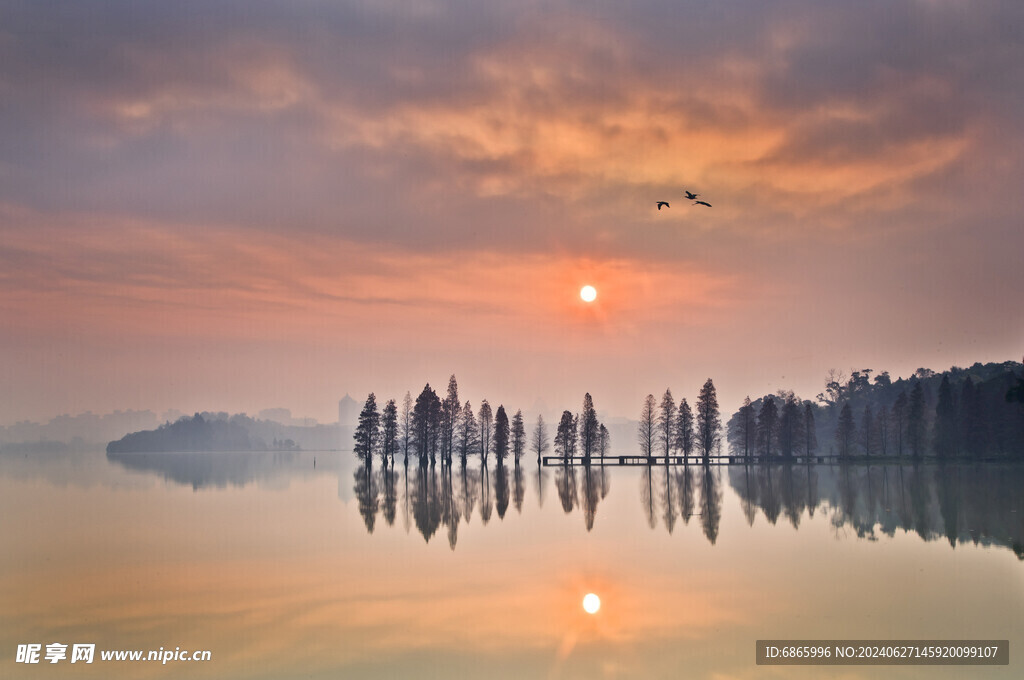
(309, 565)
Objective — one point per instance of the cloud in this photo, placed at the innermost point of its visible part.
(418, 126)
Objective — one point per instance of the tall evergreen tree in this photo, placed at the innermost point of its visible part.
(405, 426)
(389, 433)
(486, 422)
(667, 423)
(604, 441)
(684, 428)
(646, 429)
(501, 434)
(709, 423)
(790, 425)
(588, 427)
(367, 434)
(451, 409)
(767, 425)
(468, 433)
(425, 423)
(566, 436)
(518, 435)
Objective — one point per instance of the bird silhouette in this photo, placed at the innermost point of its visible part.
(690, 196)
(702, 203)
(663, 203)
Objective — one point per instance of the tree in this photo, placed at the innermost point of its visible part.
(971, 425)
(450, 412)
(501, 435)
(667, 423)
(945, 443)
(565, 436)
(588, 427)
(845, 430)
(539, 442)
(468, 433)
(899, 420)
(646, 429)
(767, 425)
(485, 421)
(810, 434)
(915, 419)
(604, 441)
(867, 430)
(518, 435)
(709, 424)
(744, 429)
(790, 425)
(367, 431)
(389, 433)
(424, 431)
(835, 388)
(883, 430)
(405, 431)
(684, 428)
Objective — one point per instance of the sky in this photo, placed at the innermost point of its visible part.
(241, 205)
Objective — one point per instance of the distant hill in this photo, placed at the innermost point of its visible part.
(223, 432)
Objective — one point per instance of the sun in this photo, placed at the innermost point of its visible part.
(588, 293)
(591, 603)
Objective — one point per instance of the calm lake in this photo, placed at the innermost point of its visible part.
(306, 565)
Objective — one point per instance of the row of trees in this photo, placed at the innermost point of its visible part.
(775, 426)
(432, 428)
(666, 429)
(579, 434)
(960, 413)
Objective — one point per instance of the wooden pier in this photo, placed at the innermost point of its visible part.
(643, 461)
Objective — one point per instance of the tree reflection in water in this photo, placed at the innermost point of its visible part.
(971, 503)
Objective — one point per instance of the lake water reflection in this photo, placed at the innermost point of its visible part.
(305, 564)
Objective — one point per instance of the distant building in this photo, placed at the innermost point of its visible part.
(348, 411)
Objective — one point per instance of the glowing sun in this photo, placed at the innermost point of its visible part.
(591, 603)
(588, 294)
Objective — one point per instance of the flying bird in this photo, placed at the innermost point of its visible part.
(702, 203)
(663, 203)
(690, 196)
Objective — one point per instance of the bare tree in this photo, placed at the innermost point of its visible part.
(539, 444)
